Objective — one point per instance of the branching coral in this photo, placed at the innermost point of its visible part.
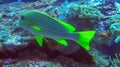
(115, 62)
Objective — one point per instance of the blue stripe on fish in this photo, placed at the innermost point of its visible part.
(44, 25)
(55, 29)
(39, 21)
(30, 19)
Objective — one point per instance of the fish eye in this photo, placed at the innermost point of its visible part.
(22, 17)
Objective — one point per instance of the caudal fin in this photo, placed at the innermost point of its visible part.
(84, 39)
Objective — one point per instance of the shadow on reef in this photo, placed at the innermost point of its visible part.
(34, 51)
(109, 50)
(82, 56)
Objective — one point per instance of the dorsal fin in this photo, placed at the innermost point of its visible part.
(68, 26)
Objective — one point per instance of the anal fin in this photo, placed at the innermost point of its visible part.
(39, 39)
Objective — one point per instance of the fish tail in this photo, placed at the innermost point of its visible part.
(84, 39)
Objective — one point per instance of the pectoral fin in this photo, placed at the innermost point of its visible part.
(63, 42)
(39, 39)
(35, 28)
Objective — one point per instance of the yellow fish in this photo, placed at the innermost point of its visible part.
(42, 25)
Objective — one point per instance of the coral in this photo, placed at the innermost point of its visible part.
(36, 63)
(85, 11)
(83, 17)
(115, 28)
(48, 1)
(117, 39)
(107, 9)
(115, 18)
(99, 59)
(115, 62)
(117, 5)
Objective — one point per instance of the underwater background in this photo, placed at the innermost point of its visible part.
(18, 47)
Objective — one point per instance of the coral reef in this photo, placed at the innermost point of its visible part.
(83, 17)
(85, 11)
(18, 47)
